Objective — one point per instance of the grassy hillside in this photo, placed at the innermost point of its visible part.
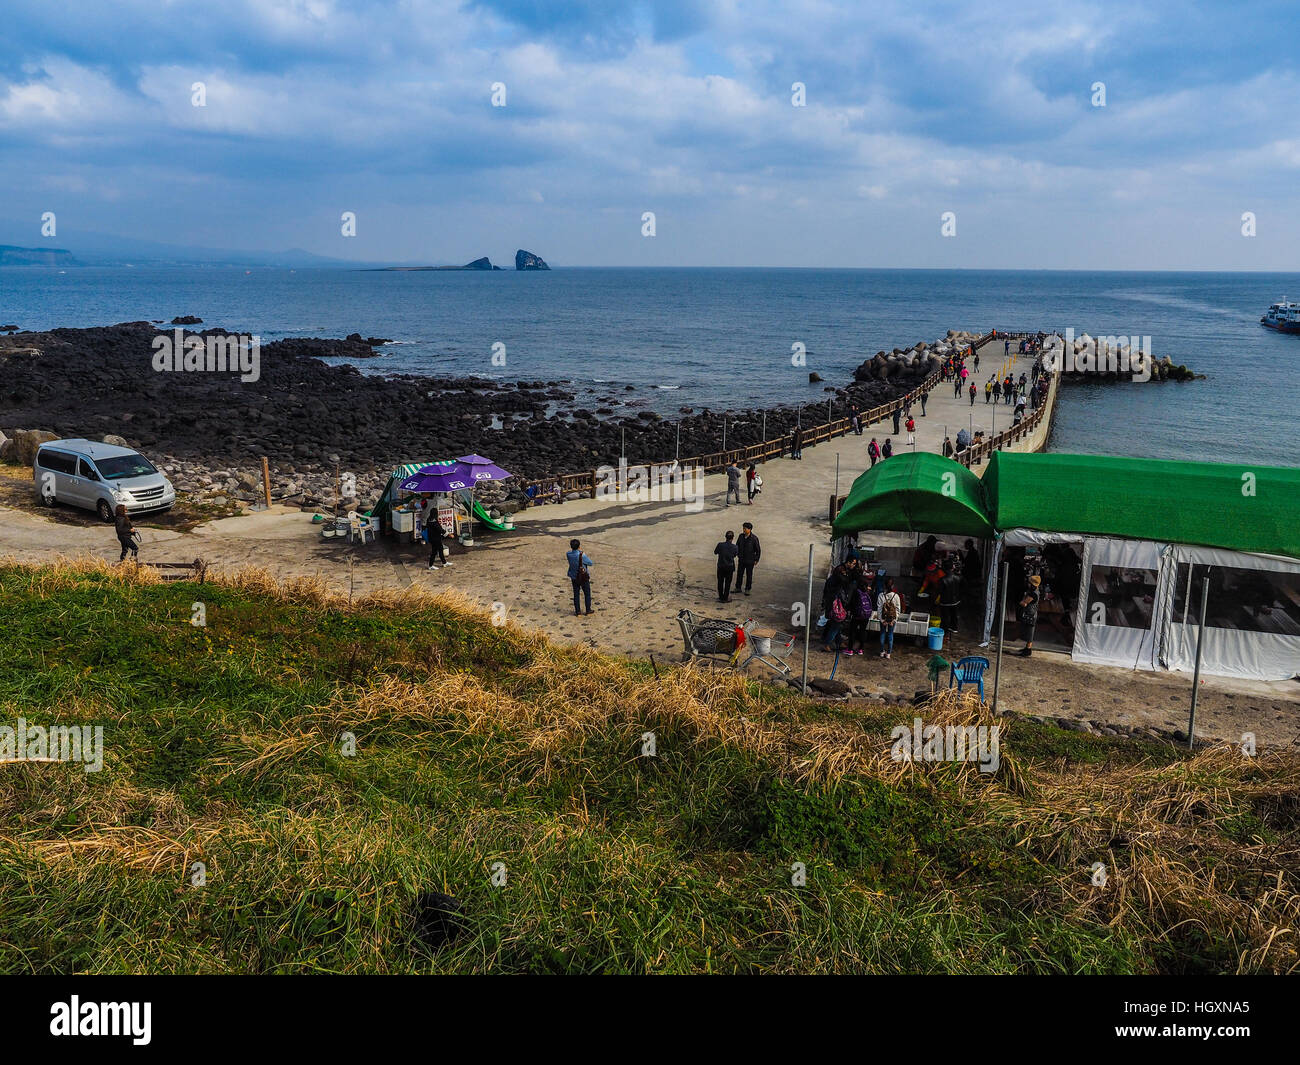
(478, 745)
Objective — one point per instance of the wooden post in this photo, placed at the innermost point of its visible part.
(266, 481)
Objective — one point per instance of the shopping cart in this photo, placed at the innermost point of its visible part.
(710, 638)
(768, 647)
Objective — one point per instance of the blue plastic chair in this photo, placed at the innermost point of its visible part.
(969, 670)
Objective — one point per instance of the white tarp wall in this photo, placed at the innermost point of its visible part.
(1228, 651)
(1013, 538)
(1113, 636)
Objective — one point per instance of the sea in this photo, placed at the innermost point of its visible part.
(723, 339)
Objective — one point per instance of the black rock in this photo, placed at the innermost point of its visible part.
(479, 264)
(187, 319)
(526, 260)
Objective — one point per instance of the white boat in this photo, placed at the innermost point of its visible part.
(1284, 316)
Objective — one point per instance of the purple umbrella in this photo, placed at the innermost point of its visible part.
(440, 477)
(484, 469)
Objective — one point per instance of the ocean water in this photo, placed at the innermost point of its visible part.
(723, 338)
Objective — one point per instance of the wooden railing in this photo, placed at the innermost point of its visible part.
(587, 482)
(978, 452)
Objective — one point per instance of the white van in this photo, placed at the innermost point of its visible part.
(100, 477)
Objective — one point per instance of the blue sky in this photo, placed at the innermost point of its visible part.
(613, 108)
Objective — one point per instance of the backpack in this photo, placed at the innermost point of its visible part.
(888, 609)
(838, 613)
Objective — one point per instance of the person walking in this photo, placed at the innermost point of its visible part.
(1006, 347)
(976, 359)
(753, 483)
(126, 534)
(834, 597)
(924, 397)
(579, 575)
(726, 552)
(433, 533)
(956, 386)
(873, 451)
(1028, 614)
(997, 391)
(888, 607)
(888, 450)
(748, 552)
(950, 595)
(972, 393)
(988, 390)
(898, 414)
(855, 419)
(733, 483)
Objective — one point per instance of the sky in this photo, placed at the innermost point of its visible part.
(989, 111)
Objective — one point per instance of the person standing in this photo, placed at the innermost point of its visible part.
(726, 552)
(1028, 614)
(855, 419)
(889, 607)
(972, 393)
(898, 414)
(997, 391)
(579, 575)
(1006, 347)
(126, 534)
(976, 360)
(748, 552)
(753, 483)
(733, 483)
(433, 533)
(834, 597)
(873, 451)
(859, 614)
(911, 430)
(888, 450)
(947, 447)
(796, 443)
(924, 397)
(988, 390)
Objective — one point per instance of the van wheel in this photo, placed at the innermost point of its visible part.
(105, 512)
(46, 500)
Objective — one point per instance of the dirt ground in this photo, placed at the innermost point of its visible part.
(653, 559)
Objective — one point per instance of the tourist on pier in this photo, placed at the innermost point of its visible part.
(924, 397)
(888, 450)
(733, 483)
(997, 391)
(873, 451)
(988, 390)
(727, 551)
(834, 600)
(898, 414)
(748, 552)
(579, 575)
(1028, 614)
(956, 386)
(911, 430)
(796, 443)
(1006, 347)
(976, 359)
(753, 483)
(433, 533)
(1008, 390)
(888, 607)
(972, 393)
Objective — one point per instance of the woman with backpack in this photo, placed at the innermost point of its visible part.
(859, 614)
(835, 594)
(890, 606)
(873, 451)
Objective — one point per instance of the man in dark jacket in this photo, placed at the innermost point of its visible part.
(950, 595)
(726, 552)
(748, 552)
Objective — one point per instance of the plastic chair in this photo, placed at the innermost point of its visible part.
(969, 670)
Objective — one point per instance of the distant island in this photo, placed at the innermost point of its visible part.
(12, 255)
(524, 260)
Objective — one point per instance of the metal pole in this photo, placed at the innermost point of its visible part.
(677, 457)
(724, 432)
(807, 621)
(1196, 674)
(765, 427)
(1002, 628)
(622, 446)
(837, 475)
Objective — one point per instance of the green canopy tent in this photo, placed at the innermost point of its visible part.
(916, 492)
(1241, 508)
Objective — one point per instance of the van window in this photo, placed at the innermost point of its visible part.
(59, 461)
(84, 469)
(115, 469)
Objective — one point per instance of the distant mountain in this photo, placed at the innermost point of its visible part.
(12, 255)
(478, 264)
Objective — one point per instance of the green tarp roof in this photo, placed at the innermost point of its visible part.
(916, 492)
(1239, 507)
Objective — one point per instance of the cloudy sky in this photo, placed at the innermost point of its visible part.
(686, 109)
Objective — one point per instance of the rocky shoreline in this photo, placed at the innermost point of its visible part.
(313, 419)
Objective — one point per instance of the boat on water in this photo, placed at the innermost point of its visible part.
(1284, 316)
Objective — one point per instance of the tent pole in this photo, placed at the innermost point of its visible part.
(837, 475)
(1196, 674)
(1002, 628)
(807, 621)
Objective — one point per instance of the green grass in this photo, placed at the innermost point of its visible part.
(478, 745)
